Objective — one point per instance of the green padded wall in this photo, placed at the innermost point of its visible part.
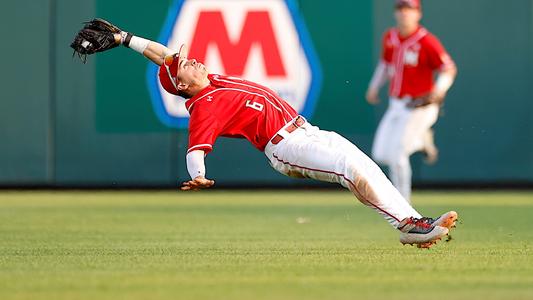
(26, 137)
(64, 123)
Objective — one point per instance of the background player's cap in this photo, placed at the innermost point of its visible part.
(408, 3)
(168, 71)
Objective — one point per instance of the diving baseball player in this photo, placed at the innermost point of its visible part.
(232, 107)
(410, 57)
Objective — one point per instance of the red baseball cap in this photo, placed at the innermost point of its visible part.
(408, 3)
(168, 71)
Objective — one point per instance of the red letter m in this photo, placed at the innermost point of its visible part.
(257, 29)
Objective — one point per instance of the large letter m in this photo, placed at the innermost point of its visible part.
(256, 30)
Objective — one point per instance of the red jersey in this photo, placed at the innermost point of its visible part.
(413, 60)
(237, 108)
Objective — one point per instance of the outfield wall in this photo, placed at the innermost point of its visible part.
(63, 123)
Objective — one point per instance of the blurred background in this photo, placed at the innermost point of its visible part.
(66, 124)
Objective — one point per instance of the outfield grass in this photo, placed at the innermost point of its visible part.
(257, 245)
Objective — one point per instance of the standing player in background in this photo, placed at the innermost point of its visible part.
(410, 57)
(232, 107)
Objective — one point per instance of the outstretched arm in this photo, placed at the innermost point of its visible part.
(154, 51)
(99, 35)
(196, 168)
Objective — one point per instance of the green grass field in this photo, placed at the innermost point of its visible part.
(257, 245)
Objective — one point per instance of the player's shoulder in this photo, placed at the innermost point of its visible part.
(429, 37)
(238, 85)
(389, 32)
(390, 37)
(225, 80)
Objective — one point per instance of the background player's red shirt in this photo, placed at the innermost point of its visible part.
(237, 108)
(413, 60)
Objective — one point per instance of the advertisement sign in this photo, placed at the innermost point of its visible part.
(264, 41)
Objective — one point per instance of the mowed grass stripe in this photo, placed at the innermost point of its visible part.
(256, 245)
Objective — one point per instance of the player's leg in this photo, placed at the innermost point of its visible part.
(414, 124)
(339, 141)
(430, 150)
(385, 136)
(399, 164)
(400, 173)
(326, 156)
(418, 127)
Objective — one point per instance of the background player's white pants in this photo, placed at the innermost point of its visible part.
(309, 152)
(401, 133)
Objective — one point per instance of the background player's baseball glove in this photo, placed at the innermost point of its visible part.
(96, 36)
(425, 100)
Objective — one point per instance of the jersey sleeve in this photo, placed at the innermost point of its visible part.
(386, 47)
(437, 55)
(203, 131)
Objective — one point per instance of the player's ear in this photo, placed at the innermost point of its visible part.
(420, 15)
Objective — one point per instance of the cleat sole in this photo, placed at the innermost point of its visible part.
(430, 244)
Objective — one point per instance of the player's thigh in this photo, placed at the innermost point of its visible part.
(418, 123)
(353, 163)
(331, 157)
(382, 137)
(311, 156)
(388, 140)
(341, 143)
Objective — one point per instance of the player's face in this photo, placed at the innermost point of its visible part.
(191, 72)
(407, 16)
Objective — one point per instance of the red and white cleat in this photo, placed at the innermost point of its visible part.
(447, 220)
(425, 232)
(420, 232)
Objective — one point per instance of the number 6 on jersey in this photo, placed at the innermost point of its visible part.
(255, 105)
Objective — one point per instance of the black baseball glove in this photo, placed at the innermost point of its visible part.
(96, 36)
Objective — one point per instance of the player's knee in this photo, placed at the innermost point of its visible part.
(399, 161)
(379, 157)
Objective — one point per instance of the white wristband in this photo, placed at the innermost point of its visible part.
(195, 163)
(138, 44)
(443, 84)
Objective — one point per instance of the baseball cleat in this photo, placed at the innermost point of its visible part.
(447, 220)
(421, 232)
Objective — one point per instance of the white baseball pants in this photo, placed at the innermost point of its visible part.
(309, 152)
(400, 134)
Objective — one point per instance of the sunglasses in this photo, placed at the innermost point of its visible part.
(175, 58)
(167, 63)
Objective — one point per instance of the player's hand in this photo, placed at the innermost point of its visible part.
(372, 96)
(197, 183)
(97, 35)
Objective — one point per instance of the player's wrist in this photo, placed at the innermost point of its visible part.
(443, 83)
(123, 36)
(436, 97)
(196, 164)
(133, 42)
